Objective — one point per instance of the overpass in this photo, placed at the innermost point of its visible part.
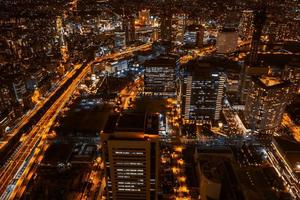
(14, 173)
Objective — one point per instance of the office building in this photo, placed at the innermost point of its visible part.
(265, 103)
(120, 39)
(246, 78)
(131, 153)
(129, 29)
(221, 176)
(202, 92)
(166, 23)
(160, 75)
(259, 19)
(118, 68)
(193, 36)
(251, 67)
(227, 40)
(245, 26)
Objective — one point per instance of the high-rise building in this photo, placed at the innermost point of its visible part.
(246, 26)
(120, 39)
(259, 18)
(246, 78)
(166, 22)
(227, 40)
(160, 75)
(265, 103)
(131, 153)
(129, 29)
(252, 67)
(202, 92)
(193, 36)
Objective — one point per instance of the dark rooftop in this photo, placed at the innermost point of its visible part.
(58, 153)
(163, 60)
(228, 29)
(193, 28)
(132, 122)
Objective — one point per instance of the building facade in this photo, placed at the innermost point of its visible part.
(129, 29)
(265, 103)
(120, 39)
(160, 75)
(193, 36)
(131, 153)
(202, 93)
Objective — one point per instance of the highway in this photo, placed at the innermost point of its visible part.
(197, 53)
(129, 93)
(13, 171)
(16, 169)
(26, 118)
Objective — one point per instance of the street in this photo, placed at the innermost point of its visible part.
(14, 169)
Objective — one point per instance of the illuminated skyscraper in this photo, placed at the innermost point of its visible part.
(259, 18)
(166, 22)
(265, 103)
(131, 153)
(129, 29)
(252, 67)
(160, 75)
(202, 93)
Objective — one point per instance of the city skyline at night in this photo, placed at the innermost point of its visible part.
(150, 99)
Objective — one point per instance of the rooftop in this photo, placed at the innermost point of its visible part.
(291, 150)
(267, 82)
(132, 122)
(270, 81)
(163, 60)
